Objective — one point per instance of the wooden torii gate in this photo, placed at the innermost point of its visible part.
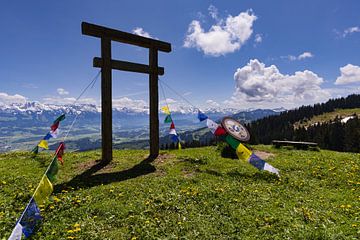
(107, 64)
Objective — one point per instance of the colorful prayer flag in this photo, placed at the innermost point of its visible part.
(234, 143)
(47, 136)
(215, 128)
(60, 152)
(54, 126)
(43, 144)
(59, 119)
(262, 165)
(55, 133)
(168, 119)
(16, 233)
(243, 152)
(220, 131)
(35, 150)
(179, 146)
(202, 116)
(211, 125)
(43, 191)
(30, 218)
(166, 110)
(53, 170)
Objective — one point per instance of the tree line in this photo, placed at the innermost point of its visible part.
(333, 135)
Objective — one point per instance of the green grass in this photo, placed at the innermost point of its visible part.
(326, 117)
(188, 194)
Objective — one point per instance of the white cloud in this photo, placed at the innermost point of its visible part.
(305, 55)
(349, 74)
(299, 57)
(139, 31)
(133, 104)
(213, 12)
(62, 91)
(212, 104)
(258, 38)
(350, 30)
(226, 36)
(68, 100)
(9, 99)
(264, 86)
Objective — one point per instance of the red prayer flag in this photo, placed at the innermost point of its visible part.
(172, 126)
(219, 131)
(55, 126)
(60, 152)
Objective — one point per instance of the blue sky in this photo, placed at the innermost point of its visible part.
(241, 54)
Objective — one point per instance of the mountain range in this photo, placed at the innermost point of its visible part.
(22, 125)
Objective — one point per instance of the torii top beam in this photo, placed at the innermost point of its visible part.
(124, 37)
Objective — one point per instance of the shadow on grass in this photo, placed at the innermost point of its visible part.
(87, 179)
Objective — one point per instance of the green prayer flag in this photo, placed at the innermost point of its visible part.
(53, 170)
(168, 119)
(35, 150)
(59, 119)
(232, 141)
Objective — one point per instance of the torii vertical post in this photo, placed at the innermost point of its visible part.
(106, 63)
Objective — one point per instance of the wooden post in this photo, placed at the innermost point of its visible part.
(154, 102)
(106, 100)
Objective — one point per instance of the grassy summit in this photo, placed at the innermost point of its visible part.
(188, 194)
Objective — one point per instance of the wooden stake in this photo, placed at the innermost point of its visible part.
(106, 100)
(154, 103)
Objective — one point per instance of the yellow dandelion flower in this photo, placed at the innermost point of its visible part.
(70, 231)
(147, 221)
(76, 225)
(71, 237)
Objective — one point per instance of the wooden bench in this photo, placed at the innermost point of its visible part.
(298, 145)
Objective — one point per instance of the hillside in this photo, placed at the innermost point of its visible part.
(327, 117)
(188, 194)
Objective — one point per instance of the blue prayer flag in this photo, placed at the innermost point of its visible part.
(257, 162)
(30, 218)
(47, 136)
(202, 116)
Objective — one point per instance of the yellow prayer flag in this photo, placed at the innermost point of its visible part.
(43, 191)
(179, 146)
(165, 110)
(243, 153)
(43, 144)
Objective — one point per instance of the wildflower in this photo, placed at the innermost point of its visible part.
(70, 231)
(71, 237)
(76, 225)
(147, 222)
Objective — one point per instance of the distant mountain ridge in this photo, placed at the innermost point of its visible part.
(22, 125)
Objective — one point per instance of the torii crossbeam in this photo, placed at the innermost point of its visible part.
(107, 64)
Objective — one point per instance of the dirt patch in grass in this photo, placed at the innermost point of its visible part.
(163, 158)
(263, 155)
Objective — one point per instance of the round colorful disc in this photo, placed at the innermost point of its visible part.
(235, 129)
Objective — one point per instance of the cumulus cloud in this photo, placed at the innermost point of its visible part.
(139, 31)
(226, 36)
(62, 91)
(349, 74)
(265, 86)
(350, 30)
(9, 99)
